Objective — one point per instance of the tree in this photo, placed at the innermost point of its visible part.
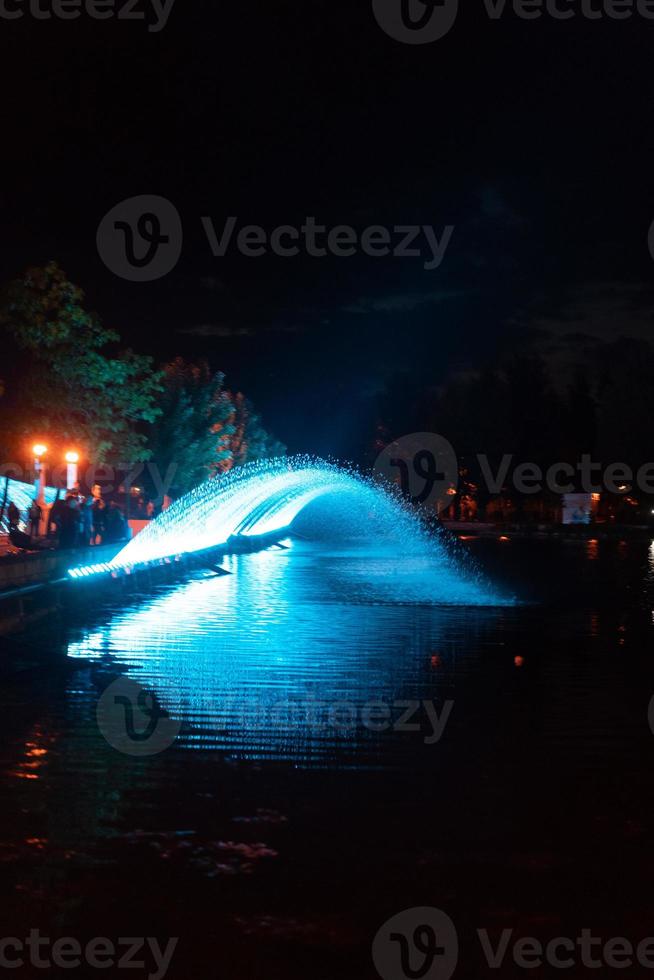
(626, 402)
(250, 441)
(190, 441)
(204, 430)
(65, 374)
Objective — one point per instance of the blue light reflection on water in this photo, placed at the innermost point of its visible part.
(253, 663)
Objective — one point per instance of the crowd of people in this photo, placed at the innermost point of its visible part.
(80, 521)
(74, 521)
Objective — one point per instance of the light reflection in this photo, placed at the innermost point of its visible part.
(253, 662)
(35, 754)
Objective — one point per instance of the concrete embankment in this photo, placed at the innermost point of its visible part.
(31, 583)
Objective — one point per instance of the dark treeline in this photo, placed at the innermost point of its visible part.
(535, 411)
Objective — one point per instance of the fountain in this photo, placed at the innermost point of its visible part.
(362, 606)
(262, 503)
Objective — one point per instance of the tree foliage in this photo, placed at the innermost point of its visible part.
(190, 441)
(250, 441)
(65, 374)
(204, 430)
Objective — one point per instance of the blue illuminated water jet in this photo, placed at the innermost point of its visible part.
(22, 494)
(275, 498)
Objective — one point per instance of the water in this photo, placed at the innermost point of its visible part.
(311, 496)
(257, 662)
(282, 840)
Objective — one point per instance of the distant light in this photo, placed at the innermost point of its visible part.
(72, 457)
(39, 449)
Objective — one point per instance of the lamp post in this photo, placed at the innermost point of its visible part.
(39, 451)
(72, 460)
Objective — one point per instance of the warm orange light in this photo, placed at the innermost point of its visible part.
(72, 457)
(39, 449)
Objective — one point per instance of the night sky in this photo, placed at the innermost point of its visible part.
(533, 138)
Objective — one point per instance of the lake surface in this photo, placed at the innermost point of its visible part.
(332, 749)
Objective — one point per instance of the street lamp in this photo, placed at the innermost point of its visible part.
(72, 460)
(39, 451)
